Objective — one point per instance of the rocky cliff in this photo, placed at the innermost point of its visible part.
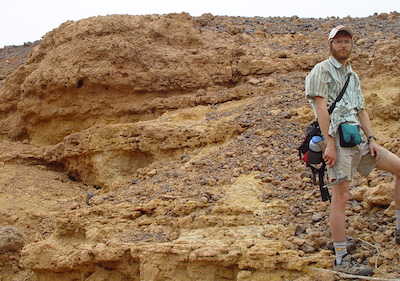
(164, 148)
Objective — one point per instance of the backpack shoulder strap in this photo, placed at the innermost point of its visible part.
(322, 188)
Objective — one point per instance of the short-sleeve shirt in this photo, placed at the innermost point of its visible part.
(326, 80)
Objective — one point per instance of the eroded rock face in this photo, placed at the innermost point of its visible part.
(118, 69)
(108, 154)
(161, 148)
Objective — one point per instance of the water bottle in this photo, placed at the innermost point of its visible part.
(314, 143)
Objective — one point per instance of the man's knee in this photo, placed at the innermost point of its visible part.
(342, 199)
(341, 194)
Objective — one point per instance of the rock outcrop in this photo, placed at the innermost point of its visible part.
(164, 148)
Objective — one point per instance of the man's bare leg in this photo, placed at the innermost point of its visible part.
(337, 219)
(391, 163)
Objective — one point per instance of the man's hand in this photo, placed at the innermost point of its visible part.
(374, 149)
(330, 154)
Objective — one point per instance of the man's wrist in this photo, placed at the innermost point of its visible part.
(330, 140)
(371, 137)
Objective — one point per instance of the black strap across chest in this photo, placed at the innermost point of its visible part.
(339, 97)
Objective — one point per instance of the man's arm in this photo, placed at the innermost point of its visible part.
(324, 123)
(367, 128)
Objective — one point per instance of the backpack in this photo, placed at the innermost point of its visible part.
(312, 130)
(313, 159)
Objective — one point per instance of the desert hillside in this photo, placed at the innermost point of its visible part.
(163, 147)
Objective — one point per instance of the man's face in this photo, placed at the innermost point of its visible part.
(341, 46)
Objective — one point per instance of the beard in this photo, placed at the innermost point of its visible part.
(340, 55)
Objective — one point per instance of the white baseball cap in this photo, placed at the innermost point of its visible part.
(336, 29)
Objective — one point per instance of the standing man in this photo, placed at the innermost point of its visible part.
(323, 84)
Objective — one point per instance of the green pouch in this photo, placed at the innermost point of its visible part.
(349, 135)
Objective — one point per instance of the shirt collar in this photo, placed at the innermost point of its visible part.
(335, 63)
(338, 65)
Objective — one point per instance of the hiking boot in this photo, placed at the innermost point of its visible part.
(397, 236)
(351, 266)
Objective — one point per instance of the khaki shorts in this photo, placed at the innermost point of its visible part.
(350, 160)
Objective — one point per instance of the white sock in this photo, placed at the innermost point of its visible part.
(340, 250)
(397, 219)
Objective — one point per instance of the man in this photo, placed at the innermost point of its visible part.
(323, 84)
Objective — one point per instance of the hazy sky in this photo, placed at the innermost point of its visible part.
(27, 20)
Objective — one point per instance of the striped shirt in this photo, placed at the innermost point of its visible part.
(326, 80)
